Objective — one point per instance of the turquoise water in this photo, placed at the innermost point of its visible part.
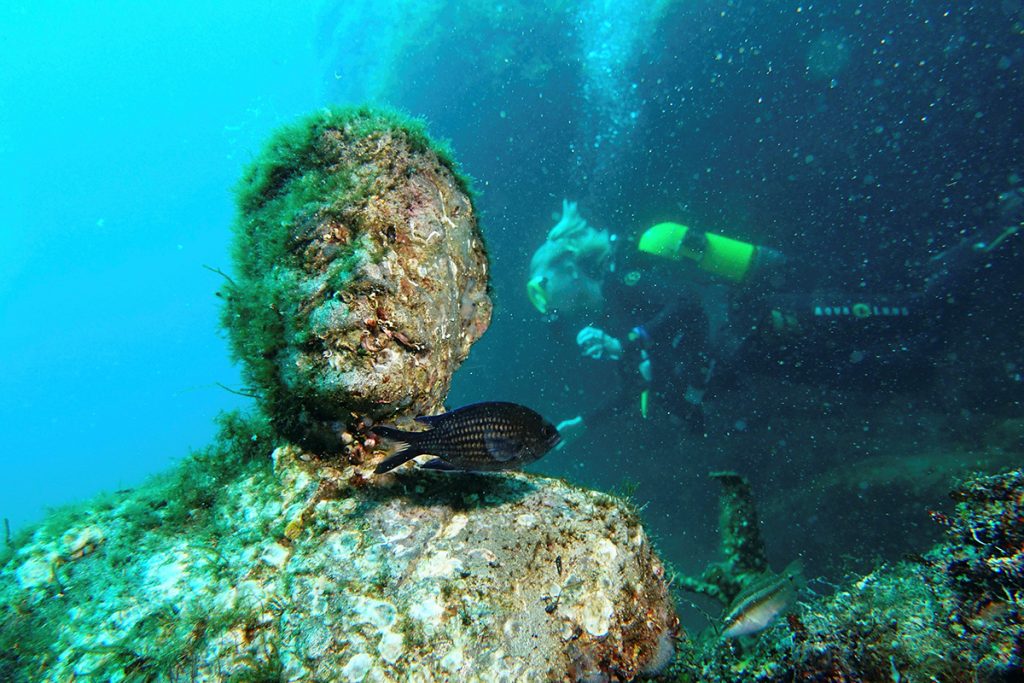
(123, 129)
(861, 139)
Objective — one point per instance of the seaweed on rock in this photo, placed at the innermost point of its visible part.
(953, 614)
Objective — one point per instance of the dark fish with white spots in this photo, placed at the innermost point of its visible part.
(480, 437)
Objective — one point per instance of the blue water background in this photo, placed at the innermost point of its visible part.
(861, 138)
(123, 128)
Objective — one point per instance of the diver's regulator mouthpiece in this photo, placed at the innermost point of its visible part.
(537, 294)
(715, 254)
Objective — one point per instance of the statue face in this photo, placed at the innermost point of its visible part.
(363, 302)
(408, 302)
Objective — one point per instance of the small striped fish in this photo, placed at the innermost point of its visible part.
(758, 606)
(478, 437)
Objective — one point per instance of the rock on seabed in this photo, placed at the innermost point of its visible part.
(951, 614)
(416, 576)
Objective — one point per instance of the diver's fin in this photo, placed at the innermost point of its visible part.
(407, 445)
(501, 449)
(439, 465)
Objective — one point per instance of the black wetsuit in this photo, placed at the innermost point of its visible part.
(700, 336)
(864, 338)
(665, 322)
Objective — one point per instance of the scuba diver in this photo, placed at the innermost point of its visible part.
(741, 311)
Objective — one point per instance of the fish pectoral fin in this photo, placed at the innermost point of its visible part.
(501, 448)
(399, 458)
(439, 465)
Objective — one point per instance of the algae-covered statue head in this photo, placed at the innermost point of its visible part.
(362, 278)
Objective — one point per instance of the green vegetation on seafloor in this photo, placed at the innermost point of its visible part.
(176, 503)
(301, 180)
(951, 614)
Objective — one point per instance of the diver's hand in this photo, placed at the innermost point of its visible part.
(570, 430)
(645, 368)
(594, 343)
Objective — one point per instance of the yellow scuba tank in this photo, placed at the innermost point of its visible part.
(718, 255)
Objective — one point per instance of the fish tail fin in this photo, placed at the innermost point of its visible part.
(407, 444)
(794, 572)
(794, 568)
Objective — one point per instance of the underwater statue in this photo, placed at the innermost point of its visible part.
(361, 279)
(360, 282)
